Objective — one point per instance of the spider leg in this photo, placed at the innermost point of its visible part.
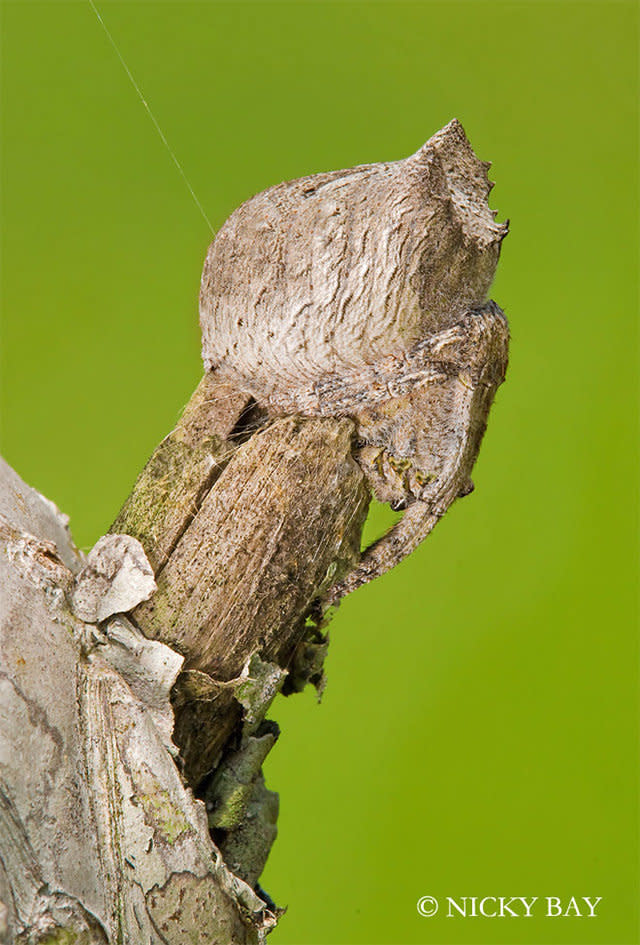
(414, 526)
(439, 425)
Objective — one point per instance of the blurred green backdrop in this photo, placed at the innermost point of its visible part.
(478, 732)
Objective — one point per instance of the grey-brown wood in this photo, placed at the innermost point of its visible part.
(100, 841)
(182, 469)
(280, 527)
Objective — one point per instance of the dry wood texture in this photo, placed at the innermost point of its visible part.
(100, 841)
(239, 583)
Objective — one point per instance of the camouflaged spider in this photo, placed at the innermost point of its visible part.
(361, 293)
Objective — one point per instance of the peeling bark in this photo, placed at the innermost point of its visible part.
(100, 839)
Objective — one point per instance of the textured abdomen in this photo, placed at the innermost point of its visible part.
(320, 275)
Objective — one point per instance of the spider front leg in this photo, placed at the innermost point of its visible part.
(384, 554)
(419, 449)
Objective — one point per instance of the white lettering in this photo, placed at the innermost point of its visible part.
(461, 909)
(529, 904)
(488, 915)
(592, 905)
(504, 906)
(553, 903)
(572, 905)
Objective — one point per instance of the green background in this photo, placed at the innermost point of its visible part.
(478, 732)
